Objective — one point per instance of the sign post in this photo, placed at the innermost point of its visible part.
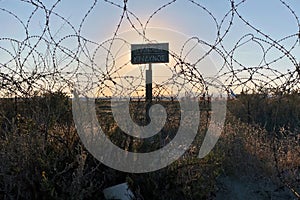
(148, 54)
(149, 83)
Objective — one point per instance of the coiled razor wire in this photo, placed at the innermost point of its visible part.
(43, 60)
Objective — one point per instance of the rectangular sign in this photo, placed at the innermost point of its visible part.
(149, 53)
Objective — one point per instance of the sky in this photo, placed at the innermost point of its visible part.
(182, 18)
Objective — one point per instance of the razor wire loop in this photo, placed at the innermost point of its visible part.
(42, 62)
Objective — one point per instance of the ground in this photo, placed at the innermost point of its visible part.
(250, 188)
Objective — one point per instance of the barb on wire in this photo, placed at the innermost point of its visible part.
(46, 61)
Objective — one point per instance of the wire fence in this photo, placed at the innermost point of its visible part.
(48, 61)
(50, 53)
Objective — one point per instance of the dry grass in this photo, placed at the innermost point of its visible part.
(43, 158)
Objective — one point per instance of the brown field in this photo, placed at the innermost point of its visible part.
(258, 154)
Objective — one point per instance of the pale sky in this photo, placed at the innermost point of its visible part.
(183, 17)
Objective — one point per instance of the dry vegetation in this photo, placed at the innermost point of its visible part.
(43, 158)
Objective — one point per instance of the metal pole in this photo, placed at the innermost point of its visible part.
(149, 83)
(148, 91)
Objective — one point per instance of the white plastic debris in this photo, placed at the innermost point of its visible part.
(120, 192)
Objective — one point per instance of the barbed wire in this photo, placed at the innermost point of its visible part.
(59, 56)
(45, 61)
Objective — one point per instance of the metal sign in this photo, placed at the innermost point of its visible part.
(149, 53)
